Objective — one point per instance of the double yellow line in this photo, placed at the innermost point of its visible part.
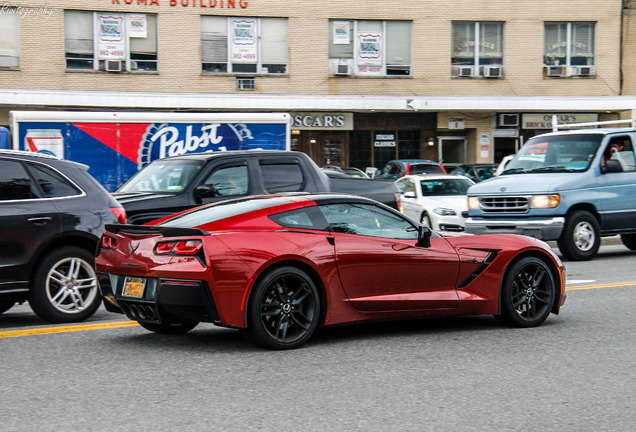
(66, 329)
(121, 324)
(608, 285)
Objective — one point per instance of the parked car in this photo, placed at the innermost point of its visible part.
(346, 171)
(437, 201)
(277, 267)
(476, 172)
(566, 186)
(395, 169)
(52, 214)
(174, 184)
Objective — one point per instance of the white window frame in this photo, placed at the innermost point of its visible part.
(350, 63)
(476, 68)
(129, 63)
(261, 66)
(10, 40)
(557, 69)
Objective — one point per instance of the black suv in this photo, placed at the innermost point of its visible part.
(52, 214)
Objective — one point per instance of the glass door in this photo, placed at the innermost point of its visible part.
(452, 151)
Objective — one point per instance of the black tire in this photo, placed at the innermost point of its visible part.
(426, 220)
(629, 240)
(169, 329)
(527, 294)
(5, 306)
(65, 287)
(581, 236)
(284, 309)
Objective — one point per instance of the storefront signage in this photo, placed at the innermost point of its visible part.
(370, 58)
(322, 121)
(456, 123)
(544, 121)
(137, 26)
(111, 42)
(187, 3)
(384, 140)
(484, 144)
(341, 33)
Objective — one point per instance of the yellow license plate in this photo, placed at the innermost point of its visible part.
(134, 287)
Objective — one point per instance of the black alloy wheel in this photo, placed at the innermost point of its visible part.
(284, 310)
(528, 293)
(169, 329)
(629, 240)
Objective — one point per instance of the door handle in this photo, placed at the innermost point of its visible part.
(41, 220)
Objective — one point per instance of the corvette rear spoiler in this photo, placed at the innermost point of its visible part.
(155, 229)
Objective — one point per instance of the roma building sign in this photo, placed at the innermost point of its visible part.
(233, 4)
(544, 121)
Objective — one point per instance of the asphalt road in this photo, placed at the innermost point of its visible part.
(574, 373)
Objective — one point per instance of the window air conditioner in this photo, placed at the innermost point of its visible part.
(462, 71)
(493, 71)
(243, 83)
(583, 70)
(508, 119)
(113, 65)
(342, 69)
(555, 71)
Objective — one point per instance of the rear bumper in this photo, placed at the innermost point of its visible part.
(163, 301)
(541, 228)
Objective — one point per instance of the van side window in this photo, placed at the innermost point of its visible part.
(621, 149)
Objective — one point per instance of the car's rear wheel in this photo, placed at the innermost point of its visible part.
(528, 293)
(171, 329)
(284, 309)
(629, 240)
(581, 236)
(5, 306)
(65, 286)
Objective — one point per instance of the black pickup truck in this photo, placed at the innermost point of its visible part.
(173, 184)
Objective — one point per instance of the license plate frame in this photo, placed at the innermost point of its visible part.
(134, 287)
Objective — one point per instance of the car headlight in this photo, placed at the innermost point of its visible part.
(473, 203)
(444, 211)
(544, 201)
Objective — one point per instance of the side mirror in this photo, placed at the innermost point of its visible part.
(409, 194)
(205, 191)
(612, 165)
(424, 236)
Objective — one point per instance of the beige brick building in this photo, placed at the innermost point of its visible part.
(454, 81)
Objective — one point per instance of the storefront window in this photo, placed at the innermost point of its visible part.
(244, 45)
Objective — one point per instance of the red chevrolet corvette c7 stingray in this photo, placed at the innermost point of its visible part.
(277, 267)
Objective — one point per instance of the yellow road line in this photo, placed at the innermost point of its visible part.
(609, 285)
(66, 329)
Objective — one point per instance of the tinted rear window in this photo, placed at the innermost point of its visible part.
(282, 176)
(223, 210)
(52, 183)
(15, 183)
(426, 169)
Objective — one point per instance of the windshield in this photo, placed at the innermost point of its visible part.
(169, 176)
(222, 210)
(445, 187)
(557, 153)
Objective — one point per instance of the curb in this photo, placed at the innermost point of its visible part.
(605, 241)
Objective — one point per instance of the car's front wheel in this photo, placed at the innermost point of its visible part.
(171, 329)
(284, 309)
(581, 236)
(527, 294)
(65, 286)
(5, 306)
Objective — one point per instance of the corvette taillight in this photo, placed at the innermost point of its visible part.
(178, 247)
(108, 242)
